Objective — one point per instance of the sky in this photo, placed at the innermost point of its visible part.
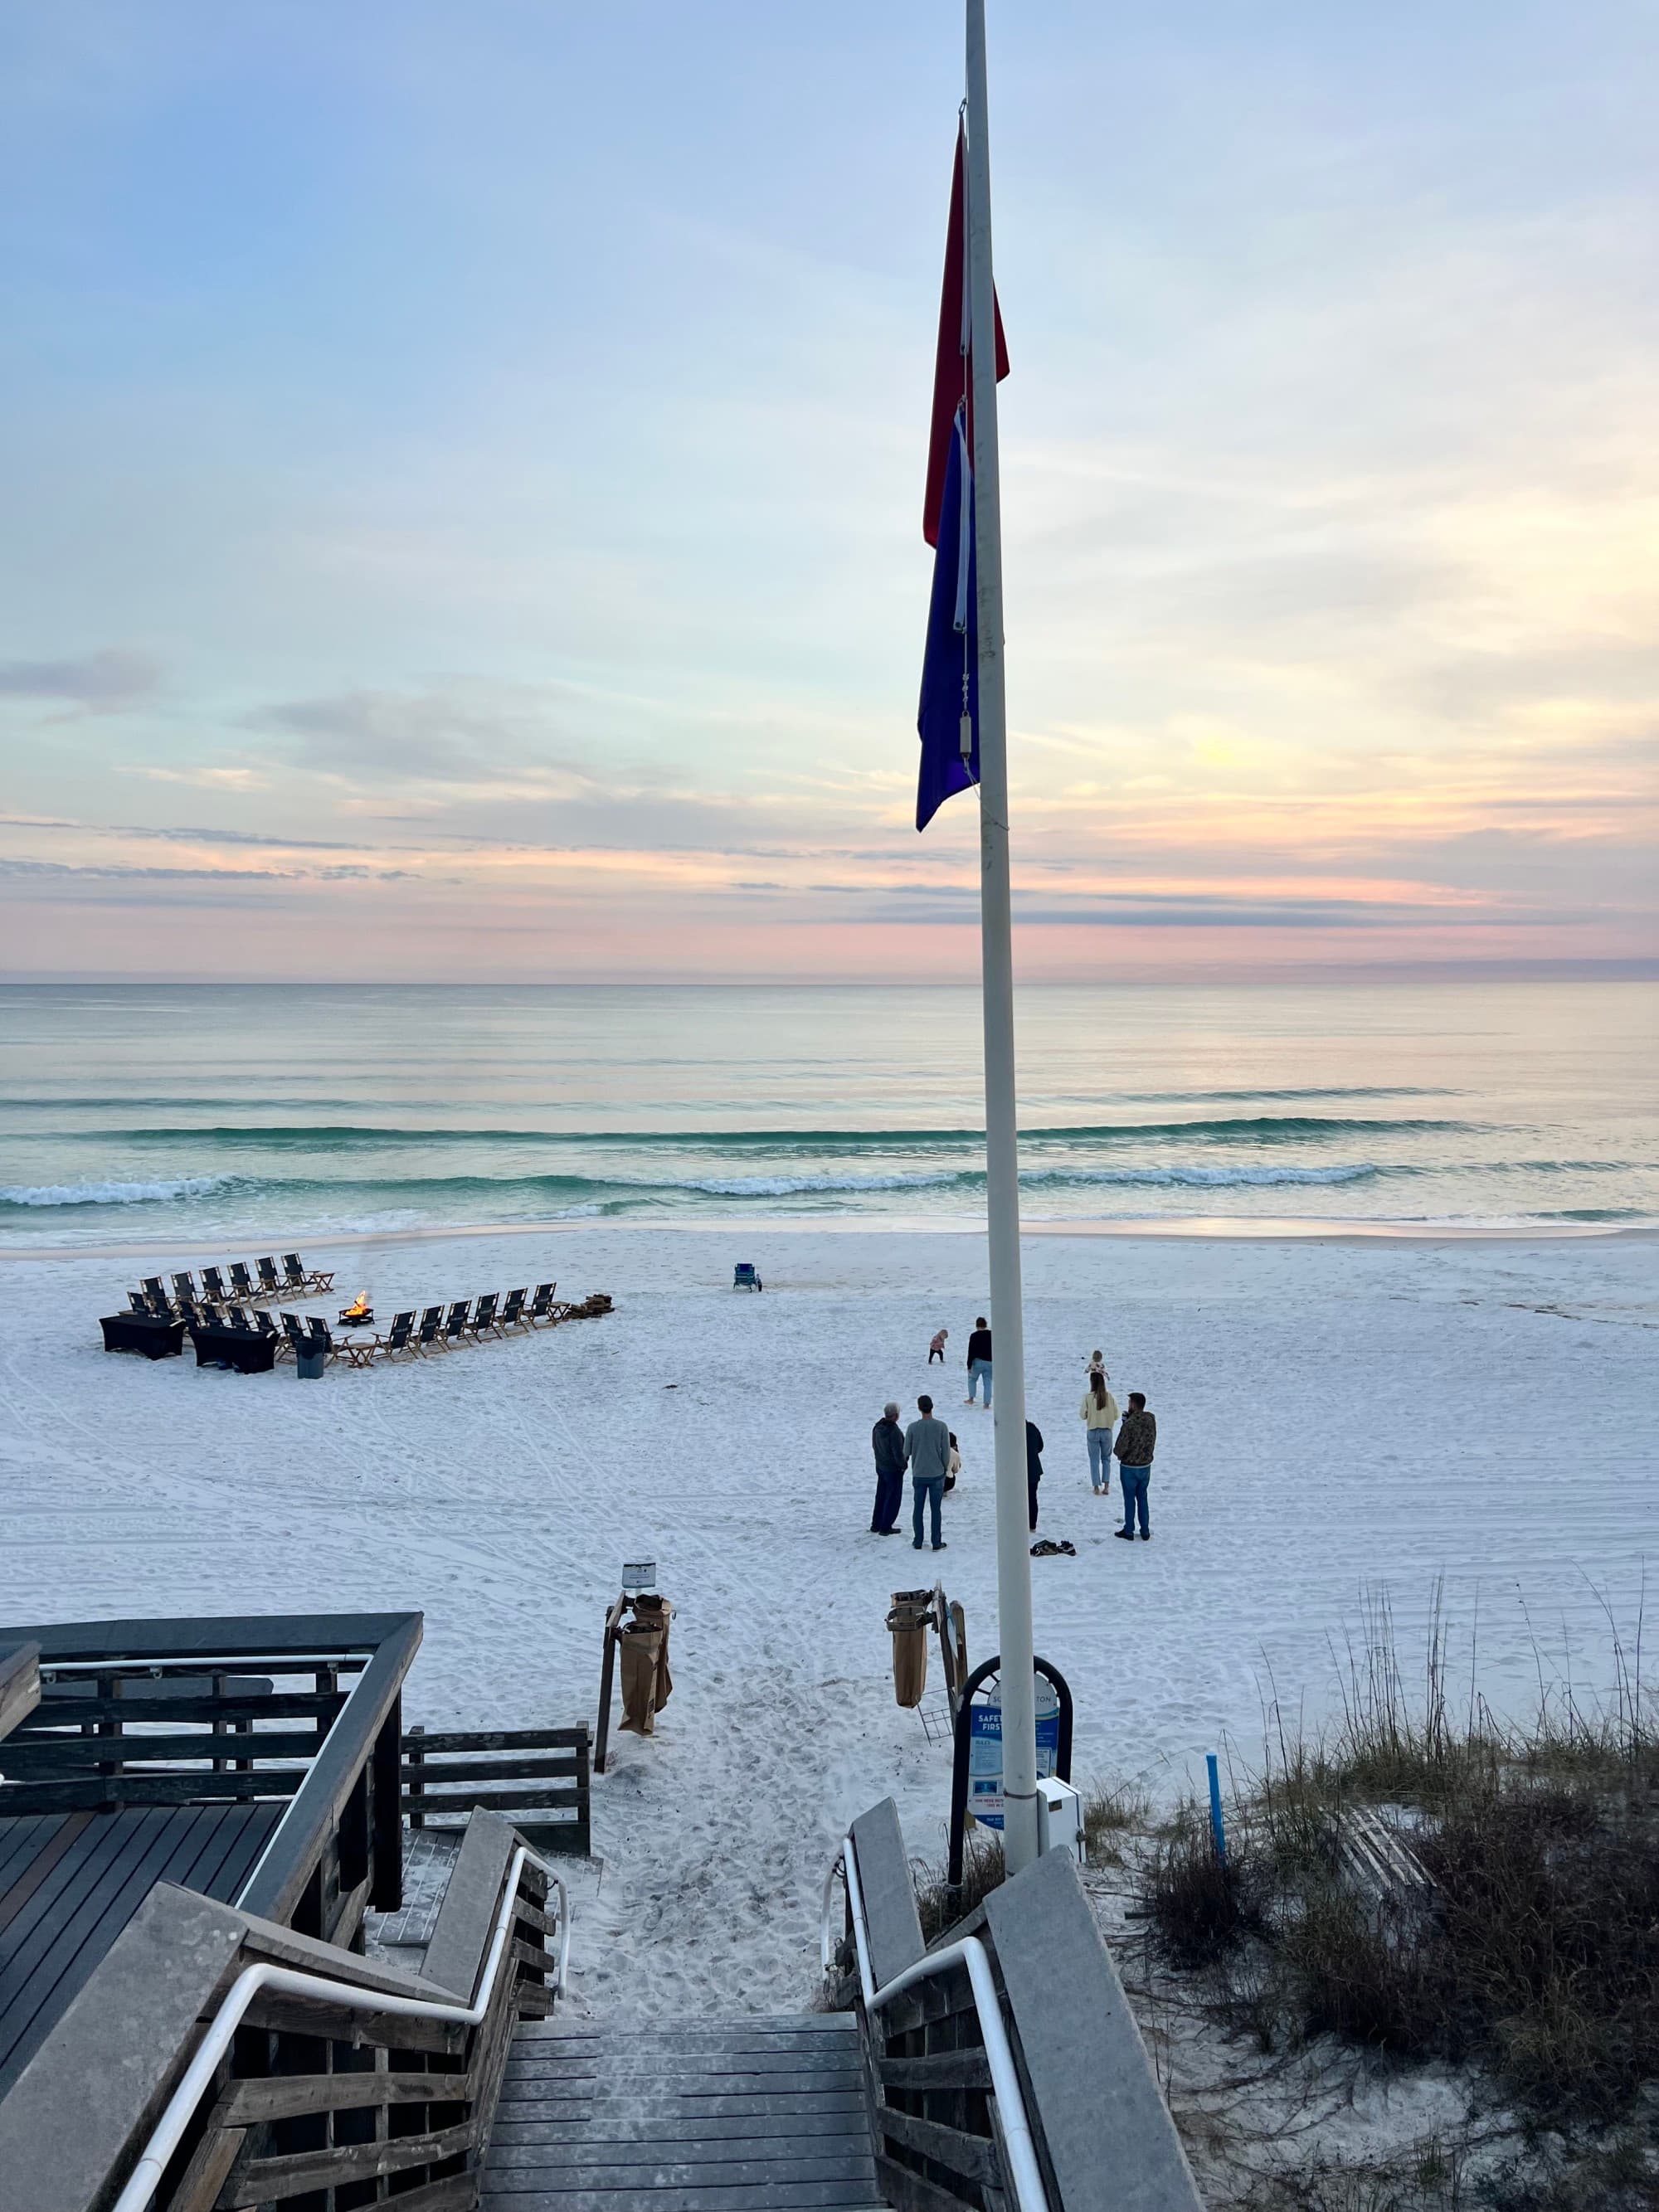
(462, 474)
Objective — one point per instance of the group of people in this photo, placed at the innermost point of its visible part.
(929, 1452)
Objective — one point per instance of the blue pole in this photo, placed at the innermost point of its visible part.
(1217, 1826)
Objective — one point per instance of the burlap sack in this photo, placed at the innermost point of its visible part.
(643, 1657)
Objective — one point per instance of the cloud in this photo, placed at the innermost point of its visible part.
(103, 683)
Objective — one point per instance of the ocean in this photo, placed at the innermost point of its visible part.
(260, 1113)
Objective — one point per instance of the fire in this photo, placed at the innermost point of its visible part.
(359, 1307)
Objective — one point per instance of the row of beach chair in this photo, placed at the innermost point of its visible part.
(294, 1279)
(440, 1329)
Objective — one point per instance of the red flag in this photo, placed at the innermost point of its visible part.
(951, 380)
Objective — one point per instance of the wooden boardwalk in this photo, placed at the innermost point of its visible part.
(70, 1882)
(708, 2116)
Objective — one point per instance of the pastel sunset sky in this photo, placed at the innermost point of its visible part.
(463, 475)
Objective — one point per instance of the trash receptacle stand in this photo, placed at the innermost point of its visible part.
(607, 1681)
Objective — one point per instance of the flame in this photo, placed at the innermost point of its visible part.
(359, 1307)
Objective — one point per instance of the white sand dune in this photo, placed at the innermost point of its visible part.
(1332, 1417)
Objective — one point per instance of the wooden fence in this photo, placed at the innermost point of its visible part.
(541, 1771)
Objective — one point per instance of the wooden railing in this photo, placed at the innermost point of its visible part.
(525, 1771)
(1084, 2098)
(337, 2081)
(189, 1712)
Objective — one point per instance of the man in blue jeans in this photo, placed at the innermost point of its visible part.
(1137, 1441)
(927, 1449)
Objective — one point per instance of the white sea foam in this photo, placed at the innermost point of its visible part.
(111, 1193)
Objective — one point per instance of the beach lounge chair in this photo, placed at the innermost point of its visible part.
(429, 1337)
(293, 1331)
(396, 1338)
(240, 1283)
(540, 1303)
(319, 1337)
(213, 1286)
(269, 1279)
(264, 1323)
(455, 1326)
(152, 1290)
(744, 1277)
(184, 1289)
(316, 1278)
(484, 1317)
(235, 1318)
(512, 1314)
(138, 1302)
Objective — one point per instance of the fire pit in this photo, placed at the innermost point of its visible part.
(359, 1311)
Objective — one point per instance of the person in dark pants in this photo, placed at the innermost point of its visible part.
(1137, 1441)
(887, 1441)
(1033, 1466)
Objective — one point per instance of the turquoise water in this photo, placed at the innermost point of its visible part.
(184, 1111)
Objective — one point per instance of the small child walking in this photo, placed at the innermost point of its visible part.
(936, 1349)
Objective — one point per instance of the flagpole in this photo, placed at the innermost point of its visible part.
(1019, 1833)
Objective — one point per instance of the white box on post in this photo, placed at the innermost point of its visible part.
(1060, 1817)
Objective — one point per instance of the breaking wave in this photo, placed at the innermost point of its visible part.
(112, 1194)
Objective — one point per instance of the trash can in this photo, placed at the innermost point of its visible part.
(910, 1619)
(309, 1365)
(647, 1683)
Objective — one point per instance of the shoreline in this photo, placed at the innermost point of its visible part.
(1267, 1229)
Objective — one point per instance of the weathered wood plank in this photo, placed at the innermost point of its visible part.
(285, 2096)
(280, 1705)
(455, 1955)
(581, 2137)
(263, 2180)
(1090, 2078)
(136, 1788)
(681, 2069)
(892, 1922)
(974, 2156)
(566, 1739)
(792, 2197)
(910, 2191)
(628, 2170)
(967, 2069)
(545, 1766)
(34, 1754)
(20, 1685)
(457, 1799)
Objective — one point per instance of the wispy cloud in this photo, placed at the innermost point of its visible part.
(108, 681)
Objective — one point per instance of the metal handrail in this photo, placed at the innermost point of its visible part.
(169, 2130)
(1018, 2141)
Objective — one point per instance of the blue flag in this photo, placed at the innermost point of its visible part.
(950, 664)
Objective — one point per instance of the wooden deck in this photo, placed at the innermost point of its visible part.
(702, 2116)
(70, 1881)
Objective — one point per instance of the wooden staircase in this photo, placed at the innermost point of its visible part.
(762, 2115)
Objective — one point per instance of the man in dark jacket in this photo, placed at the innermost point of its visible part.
(887, 1441)
(1033, 1466)
(1137, 1440)
(979, 1361)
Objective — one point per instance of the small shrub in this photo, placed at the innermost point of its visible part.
(982, 1870)
(1200, 1904)
(1109, 1812)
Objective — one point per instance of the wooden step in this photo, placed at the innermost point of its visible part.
(721, 2115)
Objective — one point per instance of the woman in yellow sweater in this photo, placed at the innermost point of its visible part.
(1099, 1414)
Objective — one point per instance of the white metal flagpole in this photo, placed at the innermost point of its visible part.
(1019, 1833)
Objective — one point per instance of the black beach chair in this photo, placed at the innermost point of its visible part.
(213, 1285)
(512, 1314)
(184, 1289)
(396, 1338)
(540, 1303)
(295, 1333)
(240, 1283)
(455, 1326)
(236, 1319)
(294, 1277)
(483, 1319)
(429, 1337)
(744, 1277)
(319, 1278)
(152, 1290)
(318, 1337)
(269, 1279)
(138, 1302)
(264, 1323)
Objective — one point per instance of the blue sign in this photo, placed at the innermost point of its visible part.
(985, 1748)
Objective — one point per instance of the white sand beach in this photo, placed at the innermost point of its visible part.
(1334, 1418)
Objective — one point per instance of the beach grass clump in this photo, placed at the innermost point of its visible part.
(1514, 1929)
(1112, 1811)
(938, 1904)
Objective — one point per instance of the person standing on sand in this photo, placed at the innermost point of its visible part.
(1033, 1467)
(887, 1442)
(1137, 1440)
(927, 1448)
(936, 1349)
(979, 1361)
(1099, 1414)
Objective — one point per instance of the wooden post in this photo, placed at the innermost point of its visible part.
(607, 1676)
(415, 1755)
(386, 1892)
